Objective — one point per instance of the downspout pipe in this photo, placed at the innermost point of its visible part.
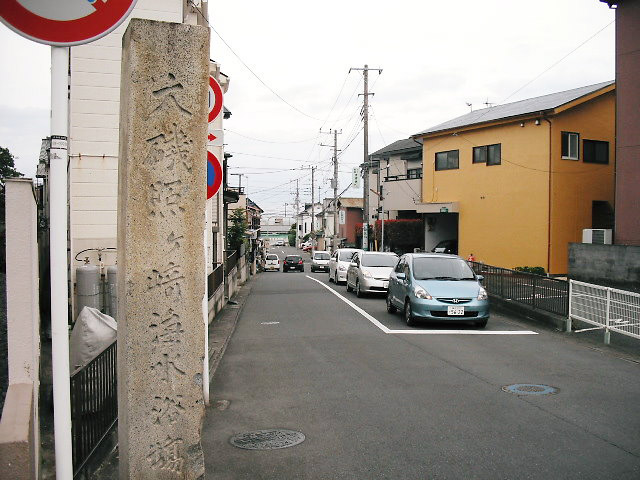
(550, 199)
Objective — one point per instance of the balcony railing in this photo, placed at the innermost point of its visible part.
(396, 178)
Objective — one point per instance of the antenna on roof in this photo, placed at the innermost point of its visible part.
(488, 103)
(470, 105)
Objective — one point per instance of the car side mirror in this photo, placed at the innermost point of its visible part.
(400, 276)
(480, 278)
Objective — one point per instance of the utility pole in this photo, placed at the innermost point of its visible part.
(297, 213)
(313, 216)
(334, 239)
(365, 117)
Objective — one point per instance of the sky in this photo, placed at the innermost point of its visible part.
(289, 62)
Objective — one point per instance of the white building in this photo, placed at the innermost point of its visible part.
(94, 109)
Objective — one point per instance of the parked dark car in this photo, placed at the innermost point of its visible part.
(446, 246)
(292, 262)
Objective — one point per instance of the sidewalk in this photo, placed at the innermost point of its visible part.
(220, 331)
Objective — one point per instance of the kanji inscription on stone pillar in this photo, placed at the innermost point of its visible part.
(161, 205)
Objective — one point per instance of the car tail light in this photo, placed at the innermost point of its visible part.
(300, 262)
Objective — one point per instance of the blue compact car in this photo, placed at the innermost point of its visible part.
(437, 287)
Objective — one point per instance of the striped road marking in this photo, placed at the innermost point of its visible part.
(420, 332)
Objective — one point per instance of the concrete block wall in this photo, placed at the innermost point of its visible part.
(616, 266)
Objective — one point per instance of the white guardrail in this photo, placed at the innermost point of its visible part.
(607, 308)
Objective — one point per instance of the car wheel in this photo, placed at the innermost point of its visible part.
(359, 292)
(390, 306)
(481, 323)
(408, 316)
(349, 289)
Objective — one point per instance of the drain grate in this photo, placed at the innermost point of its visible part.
(529, 389)
(267, 439)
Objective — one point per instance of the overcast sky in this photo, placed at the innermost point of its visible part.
(436, 57)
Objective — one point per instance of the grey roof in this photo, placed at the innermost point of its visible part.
(515, 109)
(406, 144)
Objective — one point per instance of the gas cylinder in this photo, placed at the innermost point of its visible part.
(111, 291)
(87, 287)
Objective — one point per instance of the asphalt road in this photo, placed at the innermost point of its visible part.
(378, 399)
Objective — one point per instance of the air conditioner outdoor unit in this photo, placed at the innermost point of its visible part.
(601, 236)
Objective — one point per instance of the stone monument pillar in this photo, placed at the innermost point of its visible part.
(161, 208)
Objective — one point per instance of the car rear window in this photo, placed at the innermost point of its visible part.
(293, 258)
(426, 268)
(272, 257)
(321, 256)
(346, 256)
(379, 260)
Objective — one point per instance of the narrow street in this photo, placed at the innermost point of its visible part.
(414, 403)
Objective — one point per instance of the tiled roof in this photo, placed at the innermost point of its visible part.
(351, 202)
(515, 109)
(406, 144)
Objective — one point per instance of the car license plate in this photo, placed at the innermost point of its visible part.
(455, 310)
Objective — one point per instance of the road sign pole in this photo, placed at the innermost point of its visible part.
(58, 254)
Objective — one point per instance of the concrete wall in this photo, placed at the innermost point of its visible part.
(20, 421)
(616, 266)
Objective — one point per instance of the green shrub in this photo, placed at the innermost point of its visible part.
(534, 270)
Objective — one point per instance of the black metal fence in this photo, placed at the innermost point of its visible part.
(94, 405)
(543, 293)
(215, 279)
(232, 261)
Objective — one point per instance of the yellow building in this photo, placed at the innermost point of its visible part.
(516, 183)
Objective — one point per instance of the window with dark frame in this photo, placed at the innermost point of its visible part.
(570, 146)
(480, 154)
(488, 154)
(494, 154)
(414, 173)
(447, 160)
(595, 151)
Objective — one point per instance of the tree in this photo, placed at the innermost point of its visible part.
(237, 229)
(7, 166)
(7, 170)
(292, 235)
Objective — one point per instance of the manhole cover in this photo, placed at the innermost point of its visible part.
(267, 439)
(529, 389)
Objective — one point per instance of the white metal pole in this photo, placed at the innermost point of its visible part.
(568, 324)
(58, 254)
(205, 310)
(607, 332)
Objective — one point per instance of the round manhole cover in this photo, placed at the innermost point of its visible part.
(267, 439)
(530, 389)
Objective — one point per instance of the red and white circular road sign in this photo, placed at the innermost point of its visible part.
(64, 22)
(215, 99)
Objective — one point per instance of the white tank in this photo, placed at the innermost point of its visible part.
(111, 291)
(87, 287)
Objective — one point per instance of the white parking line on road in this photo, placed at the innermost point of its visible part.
(420, 332)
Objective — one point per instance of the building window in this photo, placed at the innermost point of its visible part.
(595, 151)
(480, 154)
(414, 173)
(489, 154)
(570, 146)
(447, 160)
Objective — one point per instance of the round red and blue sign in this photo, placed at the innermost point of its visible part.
(214, 175)
(64, 24)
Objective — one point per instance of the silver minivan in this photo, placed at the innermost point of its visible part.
(320, 261)
(339, 263)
